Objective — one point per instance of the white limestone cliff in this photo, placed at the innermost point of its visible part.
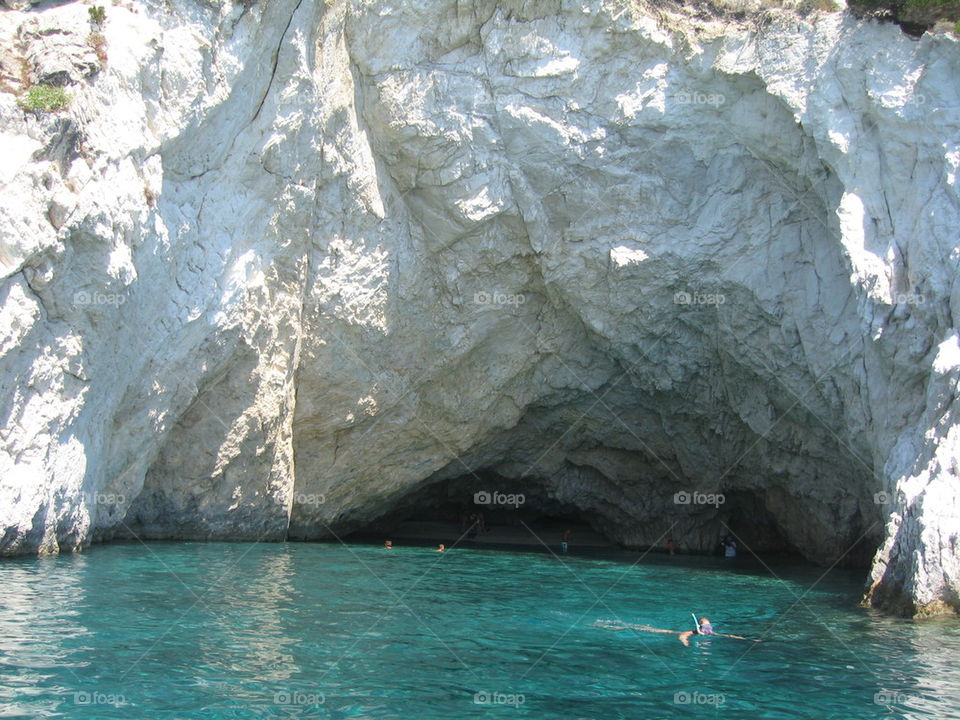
(282, 269)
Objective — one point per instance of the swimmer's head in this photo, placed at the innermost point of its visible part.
(388, 544)
(704, 621)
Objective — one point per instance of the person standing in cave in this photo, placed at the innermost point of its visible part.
(565, 541)
(729, 547)
(671, 546)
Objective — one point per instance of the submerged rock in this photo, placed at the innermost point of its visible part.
(288, 269)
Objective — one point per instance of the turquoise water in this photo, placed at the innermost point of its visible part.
(190, 630)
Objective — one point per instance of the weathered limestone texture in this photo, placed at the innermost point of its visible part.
(281, 267)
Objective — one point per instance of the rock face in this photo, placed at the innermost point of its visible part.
(282, 269)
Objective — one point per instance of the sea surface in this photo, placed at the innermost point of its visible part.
(246, 630)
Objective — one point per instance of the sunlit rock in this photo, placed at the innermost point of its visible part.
(288, 269)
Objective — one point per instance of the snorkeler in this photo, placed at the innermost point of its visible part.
(704, 627)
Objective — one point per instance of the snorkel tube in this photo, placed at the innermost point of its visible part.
(696, 623)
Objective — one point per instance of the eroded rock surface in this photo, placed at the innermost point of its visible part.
(281, 268)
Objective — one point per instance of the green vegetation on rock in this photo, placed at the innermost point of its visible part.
(44, 98)
(97, 14)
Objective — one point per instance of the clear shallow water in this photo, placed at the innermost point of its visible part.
(189, 630)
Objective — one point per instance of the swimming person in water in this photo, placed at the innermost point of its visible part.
(388, 545)
(441, 548)
(704, 627)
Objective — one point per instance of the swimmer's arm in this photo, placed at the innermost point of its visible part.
(736, 637)
(647, 628)
(628, 626)
(611, 625)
